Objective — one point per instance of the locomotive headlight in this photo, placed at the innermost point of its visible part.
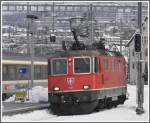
(56, 88)
(86, 87)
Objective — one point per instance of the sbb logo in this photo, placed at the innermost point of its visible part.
(70, 81)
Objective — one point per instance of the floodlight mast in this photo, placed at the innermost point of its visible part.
(31, 18)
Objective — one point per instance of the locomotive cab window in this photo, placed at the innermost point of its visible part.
(58, 66)
(82, 65)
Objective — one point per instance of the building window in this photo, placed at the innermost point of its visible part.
(33, 8)
(40, 8)
(62, 8)
(83, 8)
(56, 8)
(133, 65)
(133, 53)
(76, 8)
(4, 8)
(12, 8)
(24, 8)
(69, 8)
(146, 52)
(19, 8)
(48, 8)
(5, 72)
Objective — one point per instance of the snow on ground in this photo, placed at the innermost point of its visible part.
(124, 112)
(36, 94)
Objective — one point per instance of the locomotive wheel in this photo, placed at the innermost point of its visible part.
(106, 103)
(73, 108)
(122, 99)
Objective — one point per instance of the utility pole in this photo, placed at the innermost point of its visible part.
(121, 36)
(28, 42)
(140, 83)
(53, 17)
(91, 22)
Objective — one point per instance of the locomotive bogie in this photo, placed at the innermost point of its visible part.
(92, 100)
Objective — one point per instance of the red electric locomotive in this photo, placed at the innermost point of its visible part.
(83, 79)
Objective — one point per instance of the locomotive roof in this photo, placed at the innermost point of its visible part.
(85, 53)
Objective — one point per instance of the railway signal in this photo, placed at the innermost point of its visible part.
(52, 38)
(137, 43)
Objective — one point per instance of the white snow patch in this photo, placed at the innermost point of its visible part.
(125, 112)
(36, 94)
(10, 99)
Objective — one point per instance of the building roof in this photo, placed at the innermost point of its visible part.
(131, 39)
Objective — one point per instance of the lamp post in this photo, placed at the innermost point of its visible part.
(31, 18)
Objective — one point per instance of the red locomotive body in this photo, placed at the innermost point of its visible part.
(82, 81)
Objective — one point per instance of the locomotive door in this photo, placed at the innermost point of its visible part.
(96, 72)
(106, 72)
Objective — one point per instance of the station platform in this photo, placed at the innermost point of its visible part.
(10, 108)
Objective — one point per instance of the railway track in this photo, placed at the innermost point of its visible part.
(11, 108)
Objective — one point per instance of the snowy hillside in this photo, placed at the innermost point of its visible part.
(124, 112)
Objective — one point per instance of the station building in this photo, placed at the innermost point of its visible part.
(132, 57)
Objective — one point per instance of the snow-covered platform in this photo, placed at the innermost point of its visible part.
(10, 108)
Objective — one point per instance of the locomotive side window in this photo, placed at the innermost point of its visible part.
(82, 65)
(119, 65)
(37, 73)
(59, 66)
(116, 65)
(5, 72)
(106, 63)
(43, 72)
(12, 72)
(113, 65)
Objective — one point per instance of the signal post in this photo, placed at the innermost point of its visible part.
(138, 50)
(140, 82)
